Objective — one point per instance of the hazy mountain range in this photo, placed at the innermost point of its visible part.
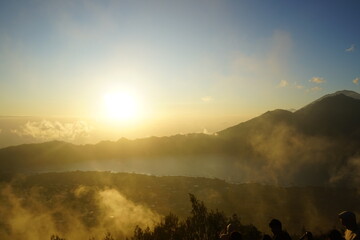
(315, 145)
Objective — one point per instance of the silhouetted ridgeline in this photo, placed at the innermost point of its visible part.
(316, 145)
(77, 203)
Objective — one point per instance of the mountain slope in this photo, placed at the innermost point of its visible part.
(335, 115)
(262, 124)
(316, 145)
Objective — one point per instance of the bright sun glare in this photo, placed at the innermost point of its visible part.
(120, 106)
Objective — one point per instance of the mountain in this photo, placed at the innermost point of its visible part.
(335, 115)
(347, 93)
(262, 124)
(318, 144)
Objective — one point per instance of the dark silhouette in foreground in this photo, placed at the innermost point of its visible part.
(335, 235)
(235, 236)
(230, 228)
(276, 229)
(307, 235)
(266, 237)
(204, 224)
(348, 220)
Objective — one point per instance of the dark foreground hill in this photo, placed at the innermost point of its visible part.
(316, 145)
(85, 202)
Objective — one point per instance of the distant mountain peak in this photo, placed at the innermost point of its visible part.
(347, 93)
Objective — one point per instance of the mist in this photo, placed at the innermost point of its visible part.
(291, 166)
(38, 214)
(281, 156)
(81, 205)
(113, 113)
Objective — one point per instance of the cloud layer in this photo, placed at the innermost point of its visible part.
(46, 130)
(317, 80)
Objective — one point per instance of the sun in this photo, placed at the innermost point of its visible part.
(120, 106)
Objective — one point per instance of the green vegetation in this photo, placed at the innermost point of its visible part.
(100, 202)
(201, 225)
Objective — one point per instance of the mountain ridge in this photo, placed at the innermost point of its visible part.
(320, 141)
(336, 108)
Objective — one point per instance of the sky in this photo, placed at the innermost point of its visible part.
(187, 66)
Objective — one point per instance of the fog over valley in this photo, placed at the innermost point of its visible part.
(293, 161)
(179, 120)
(316, 145)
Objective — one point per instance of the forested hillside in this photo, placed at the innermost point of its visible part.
(104, 200)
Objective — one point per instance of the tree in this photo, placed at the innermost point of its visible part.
(201, 225)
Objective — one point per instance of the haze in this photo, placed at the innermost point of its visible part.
(191, 66)
(114, 114)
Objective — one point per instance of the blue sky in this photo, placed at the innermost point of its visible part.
(183, 60)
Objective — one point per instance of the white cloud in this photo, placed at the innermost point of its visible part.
(314, 89)
(317, 80)
(351, 48)
(292, 85)
(356, 81)
(54, 130)
(298, 86)
(283, 83)
(206, 99)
